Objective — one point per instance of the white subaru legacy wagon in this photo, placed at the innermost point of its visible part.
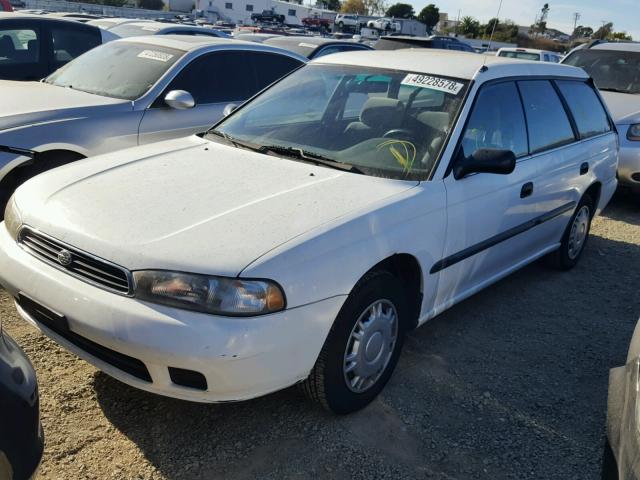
(305, 234)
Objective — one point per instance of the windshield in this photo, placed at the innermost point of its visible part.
(611, 69)
(136, 30)
(521, 55)
(122, 70)
(384, 123)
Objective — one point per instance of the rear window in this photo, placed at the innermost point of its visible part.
(133, 30)
(521, 55)
(547, 121)
(588, 112)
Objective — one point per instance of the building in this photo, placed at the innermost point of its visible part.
(239, 11)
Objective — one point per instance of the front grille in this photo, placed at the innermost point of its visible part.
(58, 324)
(75, 262)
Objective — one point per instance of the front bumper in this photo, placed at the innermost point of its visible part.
(629, 163)
(240, 358)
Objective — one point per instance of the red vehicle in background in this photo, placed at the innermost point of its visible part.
(5, 6)
(316, 21)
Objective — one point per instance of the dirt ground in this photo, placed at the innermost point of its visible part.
(511, 383)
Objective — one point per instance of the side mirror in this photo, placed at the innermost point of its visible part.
(179, 99)
(485, 160)
(229, 109)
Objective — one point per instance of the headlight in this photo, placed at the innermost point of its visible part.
(12, 218)
(634, 132)
(215, 295)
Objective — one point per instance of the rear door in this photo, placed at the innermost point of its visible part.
(568, 169)
(489, 214)
(22, 50)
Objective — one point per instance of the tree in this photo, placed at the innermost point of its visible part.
(603, 32)
(400, 10)
(490, 26)
(330, 5)
(619, 36)
(430, 16)
(582, 32)
(375, 7)
(469, 27)
(151, 4)
(353, 6)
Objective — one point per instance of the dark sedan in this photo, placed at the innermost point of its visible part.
(314, 47)
(21, 438)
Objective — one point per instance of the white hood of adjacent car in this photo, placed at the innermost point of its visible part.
(25, 103)
(192, 205)
(624, 107)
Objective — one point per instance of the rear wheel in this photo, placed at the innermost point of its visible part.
(363, 346)
(575, 236)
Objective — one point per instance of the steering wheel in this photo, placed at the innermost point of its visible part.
(400, 134)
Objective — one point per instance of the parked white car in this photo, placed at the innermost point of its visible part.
(127, 93)
(109, 22)
(304, 235)
(530, 54)
(615, 68)
(386, 24)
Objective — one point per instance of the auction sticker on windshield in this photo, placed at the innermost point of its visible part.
(435, 83)
(155, 55)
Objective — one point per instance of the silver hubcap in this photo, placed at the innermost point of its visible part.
(579, 231)
(370, 346)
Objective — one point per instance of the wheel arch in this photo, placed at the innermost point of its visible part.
(407, 269)
(594, 191)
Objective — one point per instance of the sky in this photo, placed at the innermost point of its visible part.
(624, 14)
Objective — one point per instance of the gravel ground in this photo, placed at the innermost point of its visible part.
(511, 383)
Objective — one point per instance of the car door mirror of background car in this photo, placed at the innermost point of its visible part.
(229, 108)
(179, 99)
(485, 160)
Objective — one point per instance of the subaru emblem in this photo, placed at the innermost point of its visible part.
(65, 258)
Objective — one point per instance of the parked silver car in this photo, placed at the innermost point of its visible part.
(615, 67)
(126, 93)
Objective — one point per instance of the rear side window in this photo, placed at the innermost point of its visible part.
(587, 110)
(269, 67)
(19, 46)
(549, 126)
(497, 121)
(69, 43)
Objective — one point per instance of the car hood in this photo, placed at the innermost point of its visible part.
(624, 107)
(26, 103)
(192, 205)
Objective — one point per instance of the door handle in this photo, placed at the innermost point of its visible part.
(526, 190)
(584, 168)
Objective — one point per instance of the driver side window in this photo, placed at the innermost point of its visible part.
(497, 121)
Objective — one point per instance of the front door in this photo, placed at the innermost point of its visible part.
(489, 214)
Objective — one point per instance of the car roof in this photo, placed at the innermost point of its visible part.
(619, 46)
(188, 43)
(462, 65)
(31, 16)
(184, 42)
(295, 40)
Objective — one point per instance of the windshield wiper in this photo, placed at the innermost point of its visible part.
(235, 142)
(312, 157)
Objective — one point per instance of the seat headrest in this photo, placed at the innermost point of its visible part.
(436, 120)
(380, 111)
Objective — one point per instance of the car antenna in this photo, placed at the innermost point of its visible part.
(495, 24)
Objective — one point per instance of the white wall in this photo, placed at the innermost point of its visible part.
(238, 12)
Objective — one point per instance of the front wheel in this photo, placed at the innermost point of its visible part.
(363, 346)
(575, 236)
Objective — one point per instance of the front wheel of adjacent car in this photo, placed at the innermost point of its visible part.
(575, 236)
(363, 346)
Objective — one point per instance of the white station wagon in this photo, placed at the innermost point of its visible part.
(307, 232)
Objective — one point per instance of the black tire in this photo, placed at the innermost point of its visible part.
(565, 258)
(609, 465)
(326, 383)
